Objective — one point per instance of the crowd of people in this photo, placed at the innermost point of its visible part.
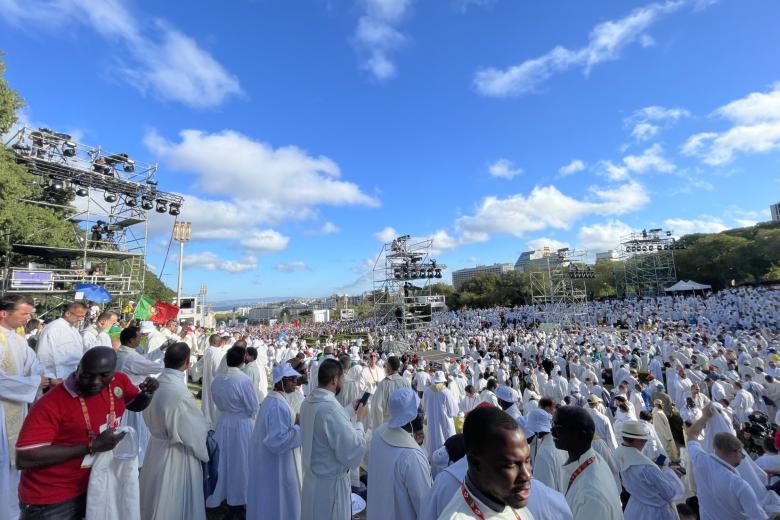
(662, 408)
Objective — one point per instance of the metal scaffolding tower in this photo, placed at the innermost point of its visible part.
(648, 263)
(558, 288)
(106, 198)
(402, 275)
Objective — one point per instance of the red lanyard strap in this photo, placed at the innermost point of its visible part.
(111, 413)
(473, 504)
(579, 470)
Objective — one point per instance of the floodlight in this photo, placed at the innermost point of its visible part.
(110, 197)
(57, 185)
(69, 149)
(162, 206)
(174, 209)
(82, 191)
(438, 272)
(131, 201)
(129, 166)
(147, 203)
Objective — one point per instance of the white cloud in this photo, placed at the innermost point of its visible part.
(652, 159)
(291, 267)
(612, 171)
(264, 241)
(386, 235)
(546, 207)
(603, 237)
(376, 36)
(704, 224)
(329, 228)
(538, 244)
(644, 131)
(278, 181)
(573, 167)
(605, 42)
(462, 6)
(213, 262)
(158, 58)
(504, 169)
(756, 129)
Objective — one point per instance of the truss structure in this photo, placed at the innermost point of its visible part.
(648, 263)
(402, 275)
(558, 288)
(106, 196)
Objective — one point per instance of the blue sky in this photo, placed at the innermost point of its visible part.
(304, 133)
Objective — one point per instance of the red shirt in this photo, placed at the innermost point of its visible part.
(57, 419)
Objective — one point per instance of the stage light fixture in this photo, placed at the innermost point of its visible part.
(81, 191)
(69, 149)
(174, 209)
(129, 166)
(162, 206)
(131, 201)
(147, 203)
(57, 185)
(438, 272)
(110, 197)
(397, 273)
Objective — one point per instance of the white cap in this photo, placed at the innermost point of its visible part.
(506, 393)
(439, 377)
(147, 327)
(282, 371)
(538, 421)
(402, 405)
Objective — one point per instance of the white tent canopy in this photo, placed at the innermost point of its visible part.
(690, 285)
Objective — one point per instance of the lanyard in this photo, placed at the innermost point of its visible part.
(111, 414)
(579, 470)
(473, 505)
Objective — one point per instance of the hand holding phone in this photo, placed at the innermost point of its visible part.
(363, 400)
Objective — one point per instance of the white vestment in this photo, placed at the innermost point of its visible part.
(331, 447)
(547, 462)
(379, 413)
(172, 477)
(137, 368)
(593, 493)
(20, 377)
(259, 379)
(652, 489)
(458, 509)
(275, 467)
(440, 408)
(211, 361)
(400, 478)
(236, 400)
(59, 349)
(113, 488)
(93, 337)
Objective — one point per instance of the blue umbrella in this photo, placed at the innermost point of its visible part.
(94, 293)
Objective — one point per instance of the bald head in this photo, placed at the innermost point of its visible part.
(95, 370)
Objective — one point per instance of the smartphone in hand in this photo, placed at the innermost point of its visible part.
(363, 400)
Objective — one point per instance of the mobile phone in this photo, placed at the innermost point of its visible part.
(363, 400)
(659, 461)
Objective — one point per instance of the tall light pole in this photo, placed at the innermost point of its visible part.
(203, 291)
(182, 232)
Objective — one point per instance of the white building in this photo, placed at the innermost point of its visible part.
(607, 256)
(775, 210)
(460, 276)
(536, 258)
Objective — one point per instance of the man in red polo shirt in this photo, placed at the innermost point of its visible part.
(66, 427)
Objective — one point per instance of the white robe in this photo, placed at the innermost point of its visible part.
(236, 400)
(440, 408)
(137, 368)
(400, 478)
(60, 348)
(652, 490)
(274, 469)
(211, 361)
(93, 337)
(593, 493)
(259, 379)
(172, 477)
(331, 447)
(547, 462)
(19, 389)
(378, 412)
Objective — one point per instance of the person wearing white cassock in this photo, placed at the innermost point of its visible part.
(546, 459)
(275, 472)
(96, 335)
(172, 477)
(440, 409)
(60, 346)
(588, 482)
(370, 377)
(393, 381)
(604, 428)
(652, 488)
(331, 447)
(236, 399)
(256, 374)
(400, 477)
(20, 378)
(211, 360)
(137, 368)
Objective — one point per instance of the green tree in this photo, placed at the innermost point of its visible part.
(154, 288)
